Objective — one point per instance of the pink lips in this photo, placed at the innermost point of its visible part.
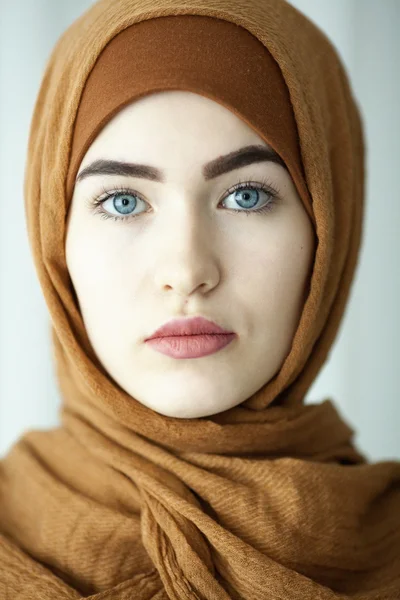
(190, 338)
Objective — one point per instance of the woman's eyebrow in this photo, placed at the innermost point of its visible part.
(218, 166)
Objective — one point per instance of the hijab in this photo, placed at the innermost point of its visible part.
(269, 499)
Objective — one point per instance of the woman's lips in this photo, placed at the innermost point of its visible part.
(191, 346)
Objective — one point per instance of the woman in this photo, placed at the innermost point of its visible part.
(192, 161)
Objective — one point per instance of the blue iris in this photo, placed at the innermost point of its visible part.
(123, 203)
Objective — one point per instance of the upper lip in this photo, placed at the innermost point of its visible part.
(192, 326)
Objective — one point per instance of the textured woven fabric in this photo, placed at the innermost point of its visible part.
(269, 500)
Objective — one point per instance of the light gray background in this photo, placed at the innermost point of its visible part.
(362, 374)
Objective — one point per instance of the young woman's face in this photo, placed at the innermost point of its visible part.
(175, 248)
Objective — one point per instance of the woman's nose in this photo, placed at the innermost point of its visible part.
(188, 257)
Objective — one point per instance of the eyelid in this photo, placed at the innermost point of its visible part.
(262, 181)
(107, 192)
(125, 187)
(98, 199)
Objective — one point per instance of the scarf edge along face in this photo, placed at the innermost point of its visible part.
(202, 515)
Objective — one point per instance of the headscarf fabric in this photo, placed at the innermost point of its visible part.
(269, 500)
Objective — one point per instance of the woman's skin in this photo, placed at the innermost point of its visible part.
(186, 253)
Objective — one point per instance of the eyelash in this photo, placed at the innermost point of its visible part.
(95, 203)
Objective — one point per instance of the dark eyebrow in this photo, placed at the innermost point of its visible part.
(218, 166)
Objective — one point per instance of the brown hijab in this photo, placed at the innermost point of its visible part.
(267, 500)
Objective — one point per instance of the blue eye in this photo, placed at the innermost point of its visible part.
(246, 194)
(117, 204)
(123, 203)
(246, 197)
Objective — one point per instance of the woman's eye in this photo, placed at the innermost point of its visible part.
(121, 203)
(246, 197)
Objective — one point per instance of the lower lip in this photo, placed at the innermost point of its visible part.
(191, 346)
